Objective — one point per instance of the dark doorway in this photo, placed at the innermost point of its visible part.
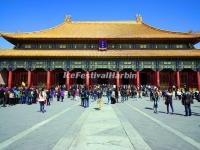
(61, 79)
(102, 76)
(79, 80)
(143, 78)
(102, 81)
(125, 81)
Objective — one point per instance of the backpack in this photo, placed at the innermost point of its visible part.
(198, 97)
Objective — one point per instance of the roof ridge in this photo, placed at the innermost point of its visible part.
(109, 22)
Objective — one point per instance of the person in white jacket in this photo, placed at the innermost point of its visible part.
(42, 99)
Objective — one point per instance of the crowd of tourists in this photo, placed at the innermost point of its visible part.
(29, 96)
(95, 93)
(24, 95)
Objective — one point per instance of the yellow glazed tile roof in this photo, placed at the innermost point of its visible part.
(107, 30)
(99, 54)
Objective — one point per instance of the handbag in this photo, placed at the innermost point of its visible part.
(166, 102)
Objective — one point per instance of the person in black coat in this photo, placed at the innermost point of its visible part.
(48, 97)
(82, 97)
(6, 98)
(155, 99)
(116, 95)
(198, 96)
(187, 100)
(58, 95)
(2, 97)
(35, 95)
(168, 100)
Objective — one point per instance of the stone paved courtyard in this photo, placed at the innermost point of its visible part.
(123, 126)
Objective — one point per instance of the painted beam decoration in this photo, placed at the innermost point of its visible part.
(78, 64)
(4, 64)
(147, 64)
(99, 64)
(39, 64)
(198, 65)
(127, 65)
(187, 64)
(19, 64)
(167, 64)
(102, 65)
(60, 64)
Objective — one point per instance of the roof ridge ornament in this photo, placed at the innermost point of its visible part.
(68, 19)
(139, 19)
(190, 31)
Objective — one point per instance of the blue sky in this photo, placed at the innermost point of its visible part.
(27, 15)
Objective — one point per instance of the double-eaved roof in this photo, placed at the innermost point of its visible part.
(131, 30)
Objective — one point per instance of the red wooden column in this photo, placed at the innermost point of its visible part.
(157, 78)
(10, 78)
(117, 80)
(87, 79)
(198, 80)
(138, 78)
(29, 78)
(48, 79)
(68, 80)
(178, 82)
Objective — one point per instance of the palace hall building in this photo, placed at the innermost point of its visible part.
(49, 57)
